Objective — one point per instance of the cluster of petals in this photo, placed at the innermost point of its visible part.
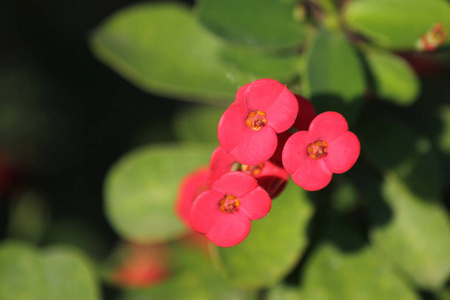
(311, 157)
(269, 176)
(223, 213)
(248, 128)
(258, 152)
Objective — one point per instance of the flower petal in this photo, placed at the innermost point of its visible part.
(328, 126)
(256, 204)
(255, 147)
(312, 175)
(232, 126)
(342, 153)
(229, 229)
(241, 95)
(191, 186)
(274, 98)
(205, 210)
(295, 151)
(236, 184)
(220, 163)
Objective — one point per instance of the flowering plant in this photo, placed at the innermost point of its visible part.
(305, 156)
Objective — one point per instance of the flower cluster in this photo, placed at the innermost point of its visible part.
(265, 136)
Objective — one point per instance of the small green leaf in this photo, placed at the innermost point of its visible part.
(394, 79)
(262, 23)
(334, 75)
(396, 24)
(274, 245)
(163, 49)
(415, 235)
(69, 275)
(345, 267)
(22, 274)
(141, 188)
(197, 124)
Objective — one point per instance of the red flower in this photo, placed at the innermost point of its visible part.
(191, 186)
(434, 38)
(311, 157)
(142, 266)
(224, 212)
(269, 176)
(248, 128)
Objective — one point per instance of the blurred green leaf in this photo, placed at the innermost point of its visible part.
(284, 292)
(163, 49)
(444, 294)
(345, 195)
(69, 275)
(56, 273)
(345, 267)
(141, 188)
(29, 216)
(197, 123)
(444, 136)
(22, 274)
(393, 145)
(274, 245)
(396, 24)
(394, 79)
(415, 236)
(194, 277)
(334, 75)
(262, 23)
(282, 67)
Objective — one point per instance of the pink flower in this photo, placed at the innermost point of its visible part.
(311, 157)
(269, 176)
(191, 186)
(248, 128)
(224, 212)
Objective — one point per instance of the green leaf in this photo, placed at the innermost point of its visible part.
(197, 124)
(163, 49)
(396, 24)
(282, 67)
(344, 267)
(69, 275)
(283, 291)
(54, 274)
(262, 23)
(141, 188)
(194, 277)
(394, 79)
(334, 75)
(413, 233)
(273, 246)
(22, 274)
